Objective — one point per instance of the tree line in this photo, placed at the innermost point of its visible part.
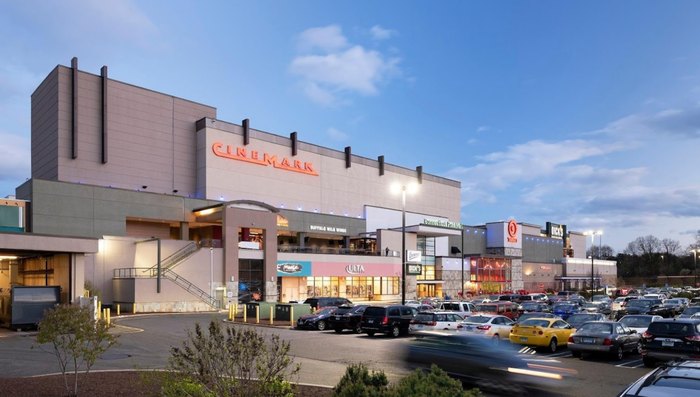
(649, 256)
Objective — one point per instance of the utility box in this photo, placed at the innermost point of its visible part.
(28, 304)
(264, 308)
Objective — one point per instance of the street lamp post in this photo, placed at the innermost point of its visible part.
(593, 234)
(695, 265)
(403, 188)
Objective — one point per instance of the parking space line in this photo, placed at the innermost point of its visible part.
(631, 364)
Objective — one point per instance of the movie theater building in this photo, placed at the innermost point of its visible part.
(189, 212)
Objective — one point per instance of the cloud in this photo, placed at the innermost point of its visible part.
(337, 135)
(327, 38)
(483, 128)
(379, 33)
(341, 68)
(678, 123)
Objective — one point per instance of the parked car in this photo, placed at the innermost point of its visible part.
(602, 299)
(317, 320)
(646, 306)
(670, 339)
(549, 332)
(317, 302)
(578, 319)
(565, 309)
(476, 361)
(639, 322)
(596, 307)
(690, 311)
(435, 320)
(528, 307)
(676, 378)
(462, 308)
(620, 302)
(676, 304)
(393, 320)
(526, 316)
(491, 325)
(539, 297)
(413, 303)
(607, 337)
(347, 317)
(508, 309)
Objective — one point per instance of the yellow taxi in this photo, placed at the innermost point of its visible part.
(546, 332)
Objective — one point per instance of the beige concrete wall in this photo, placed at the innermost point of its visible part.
(151, 136)
(392, 240)
(336, 189)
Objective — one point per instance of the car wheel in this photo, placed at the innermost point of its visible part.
(370, 333)
(639, 348)
(618, 353)
(576, 354)
(321, 325)
(553, 345)
(358, 329)
(395, 331)
(649, 362)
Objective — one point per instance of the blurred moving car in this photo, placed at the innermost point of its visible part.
(491, 325)
(676, 304)
(475, 360)
(670, 339)
(577, 320)
(549, 332)
(393, 320)
(676, 378)
(435, 320)
(317, 320)
(347, 317)
(607, 337)
(317, 302)
(639, 322)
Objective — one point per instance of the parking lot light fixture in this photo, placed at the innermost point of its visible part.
(695, 264)
(411, 188)
(593, 234)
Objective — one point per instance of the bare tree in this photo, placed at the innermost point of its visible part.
(601, 252)
(671, 247)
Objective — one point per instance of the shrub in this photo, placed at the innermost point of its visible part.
(75, 338)
(235, 363)
(359, 382)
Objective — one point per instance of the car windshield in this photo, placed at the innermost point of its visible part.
(597, 328)
(599, 298)
(564, 307)
(424, 317)
(327, 310)
(530, 306)
(581, 318)
(673, 302)
(691, 310)
(477, 319)
(673, 328)
(451, 306)
(344, 309)
(636, 321)
(592, 304)
(534, 322)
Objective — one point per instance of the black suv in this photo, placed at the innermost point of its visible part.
(322, 301)
(670, 339)
(680, 378)
(393, 320)
(347, 317)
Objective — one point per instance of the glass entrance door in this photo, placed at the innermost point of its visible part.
(251, 286)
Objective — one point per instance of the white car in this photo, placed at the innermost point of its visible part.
(462, 308)
(435, 321)
(639, 322)
(491, 325)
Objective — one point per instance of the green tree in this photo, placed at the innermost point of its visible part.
(75, 338)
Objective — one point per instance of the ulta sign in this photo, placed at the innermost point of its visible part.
(264, 159)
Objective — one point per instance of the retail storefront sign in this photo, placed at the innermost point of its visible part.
(262, 158)
(413, 256)
(555, 230)
(293, 268)
(335, 269)
(441, 223)
(355, 269)
(332, 229)
(414, 269)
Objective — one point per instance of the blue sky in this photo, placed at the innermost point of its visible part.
(585, 113)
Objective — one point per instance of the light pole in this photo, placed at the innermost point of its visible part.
(695, 265)
(593, 234)
(403, 188)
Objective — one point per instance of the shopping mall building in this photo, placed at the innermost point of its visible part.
(154, 203)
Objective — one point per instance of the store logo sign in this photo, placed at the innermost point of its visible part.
(414, 270)
(413, 257)
(554, 230)
(355, 269)
(289, 268)
(441, 223)
(512, 231)
(262, 158)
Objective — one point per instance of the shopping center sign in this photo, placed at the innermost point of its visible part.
(262, 158)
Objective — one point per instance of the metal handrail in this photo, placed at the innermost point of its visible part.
(130, 272)
(177, 257)
(138, 272)
(328, 250)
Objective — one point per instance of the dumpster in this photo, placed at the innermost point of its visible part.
(264, 308)
(283, 311)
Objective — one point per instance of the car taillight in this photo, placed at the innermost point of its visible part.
(460, 326)
(693, 338)
(647, 335)
(432, 323)
(607, 342)
(571, 339)
(540, 332)
(385, 320)
(483, 327)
